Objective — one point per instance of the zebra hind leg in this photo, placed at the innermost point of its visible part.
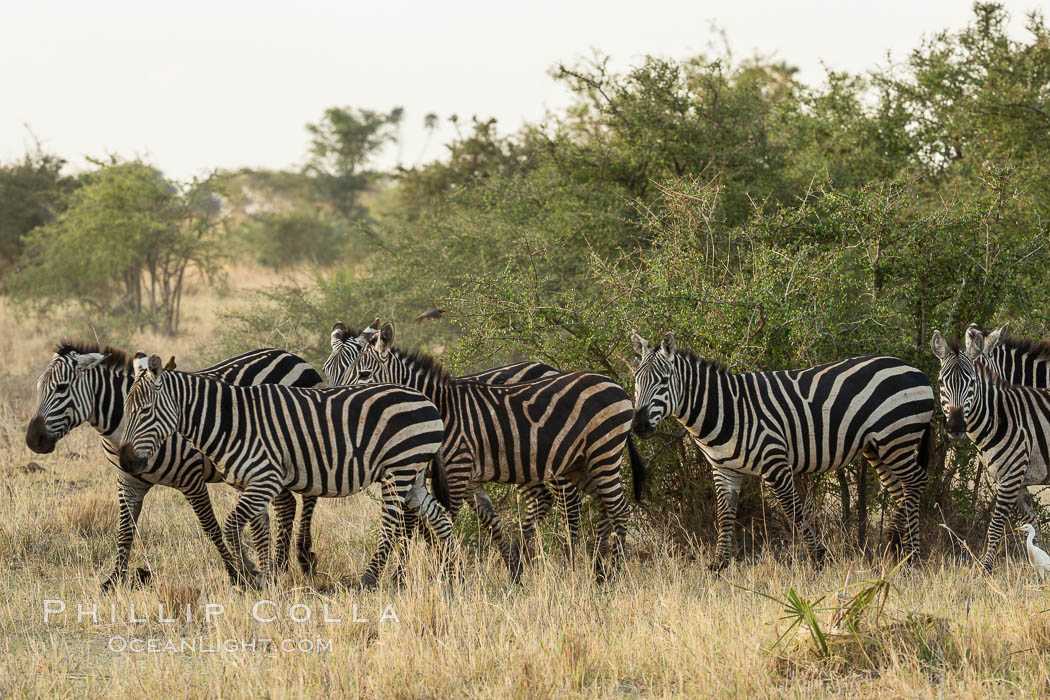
(130, 498)
(395, 487)
(304, 540)
(490, 519)
(260, 527)
(540, 503)
(433, 519)
(602, 482)
(197, 494)
(570, 501)
(254, 501)
(284, 508)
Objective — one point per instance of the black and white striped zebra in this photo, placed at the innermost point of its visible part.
(347, 346)
(1008, 423)
(777, 424)
(329, 442)
(573, 426)
(1025, 362)
(86, 383)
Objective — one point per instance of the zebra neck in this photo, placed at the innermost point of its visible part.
(707, 400)
(1019, 367)
(215, 417)
(110, 389)
(987, 408)
(430, 382)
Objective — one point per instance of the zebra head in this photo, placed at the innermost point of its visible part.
(66, 400)
(151, 414)
(654, 382)
(957, 378)
(348, 349)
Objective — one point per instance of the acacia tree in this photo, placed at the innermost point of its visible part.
(123, 247)
(342, 146)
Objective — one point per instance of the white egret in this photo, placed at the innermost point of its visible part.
(1039, 559)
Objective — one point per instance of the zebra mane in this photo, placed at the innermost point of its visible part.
(118, 359)
(424, 362)
(1036, 349)
(695, 359)
(954, 345)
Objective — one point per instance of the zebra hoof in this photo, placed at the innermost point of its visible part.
(368, 582)
(718, 565)
(308, 563)
(112, 582)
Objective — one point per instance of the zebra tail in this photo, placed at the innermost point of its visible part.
(637, 469)
(926, 447)
(439, 481)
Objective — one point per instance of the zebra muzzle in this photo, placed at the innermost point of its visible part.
(37, 437)
(129, 461)
(642, 426)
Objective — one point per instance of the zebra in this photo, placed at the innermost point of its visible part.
(1019, 361)
(1008, 423)
(346, 346)
(573, 425)
(781, 423)
(87, 383)
(329, 442)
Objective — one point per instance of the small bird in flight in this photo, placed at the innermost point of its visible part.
(434, 315)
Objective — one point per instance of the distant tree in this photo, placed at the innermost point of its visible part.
(32, 192)
(123, 247)
(342, 146)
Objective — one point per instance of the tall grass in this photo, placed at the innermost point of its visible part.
(667, 627)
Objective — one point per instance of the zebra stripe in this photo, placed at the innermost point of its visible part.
(778, 424)
(572, 425)
(86, 383)
(1008, 423)
(341, 366)
(317, 442)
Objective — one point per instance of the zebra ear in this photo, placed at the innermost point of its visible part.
(974, 343)
(638, 344)
(338, 332)
(90, 359)
(940, 348)
(386, 337)
(140, 363)
(669, 345)
(995, 338)
(369, 333)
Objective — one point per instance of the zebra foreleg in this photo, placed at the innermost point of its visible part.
(490, 519)
(395, 487)
(197, 494)
(780, 480)
(1005, 499)
(304, 540)
(254, 500)
(130, 499)
(727, 495)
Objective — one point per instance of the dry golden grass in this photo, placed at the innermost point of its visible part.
(667, 628)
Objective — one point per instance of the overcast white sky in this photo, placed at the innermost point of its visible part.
(198, 85)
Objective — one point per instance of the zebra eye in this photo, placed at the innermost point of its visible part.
(61, 387)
